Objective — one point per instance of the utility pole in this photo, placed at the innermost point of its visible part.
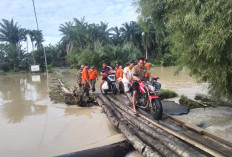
(45, 57)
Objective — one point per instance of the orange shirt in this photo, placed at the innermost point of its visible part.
(148, 66)
(119, 73)
(85, 75)
(92, 74)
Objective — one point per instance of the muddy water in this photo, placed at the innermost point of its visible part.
(31, 125)
(181, 83)
(217, 121)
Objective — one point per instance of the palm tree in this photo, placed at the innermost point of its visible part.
(116, 35)
(38, 37)
(104, 33)
(131, 32)
(94, 34)
(10, 32)
(67, 35)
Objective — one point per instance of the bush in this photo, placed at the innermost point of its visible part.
(169, 59)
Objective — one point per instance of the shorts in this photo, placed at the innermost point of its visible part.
(104, 78)
(135, 86)
(126, 86)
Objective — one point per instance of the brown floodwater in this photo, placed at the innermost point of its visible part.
(181, 83)
(31, 125)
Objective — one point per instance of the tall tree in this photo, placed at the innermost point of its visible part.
(116, 35)
(132, 32)
(10, 32)
(201, 31)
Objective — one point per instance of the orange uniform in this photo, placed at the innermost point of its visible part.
(148, 66)
(85, 75)
(92, 74)
(119, 73)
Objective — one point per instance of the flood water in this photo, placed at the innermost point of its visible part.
(32, 125)
(181, 83)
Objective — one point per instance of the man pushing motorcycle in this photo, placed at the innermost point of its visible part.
(138, 74)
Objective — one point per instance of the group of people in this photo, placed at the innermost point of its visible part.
(131, 74)
(86, 78)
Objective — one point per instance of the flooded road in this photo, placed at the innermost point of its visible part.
(31, 125)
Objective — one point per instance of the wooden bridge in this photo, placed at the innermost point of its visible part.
(168, 137)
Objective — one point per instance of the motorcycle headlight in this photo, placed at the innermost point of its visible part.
(111, 77)
(151, 87)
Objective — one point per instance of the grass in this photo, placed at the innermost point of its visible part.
(212, 101)
(190, 103)
(165, 94)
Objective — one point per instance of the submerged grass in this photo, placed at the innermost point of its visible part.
(165, 94)
(190, 103)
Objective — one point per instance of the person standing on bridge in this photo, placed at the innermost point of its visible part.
(127, 78)
(104, 70)
(92, 77)
(138, 74)
(79, 77)
(85, 79)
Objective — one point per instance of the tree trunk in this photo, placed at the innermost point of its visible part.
(33, 49)
(117, 121)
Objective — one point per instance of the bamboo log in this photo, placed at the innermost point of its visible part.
(135, 141)
(200, 131)
(186, 139)
(170, 141)
(162, 149)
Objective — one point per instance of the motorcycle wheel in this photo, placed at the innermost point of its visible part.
(156, 109)
(114, 90)
(105, 92)
(121, 88)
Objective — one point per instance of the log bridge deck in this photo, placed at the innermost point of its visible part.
(167, 137)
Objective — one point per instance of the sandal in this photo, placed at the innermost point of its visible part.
(135, 113)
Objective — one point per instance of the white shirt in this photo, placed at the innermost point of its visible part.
(127, 73)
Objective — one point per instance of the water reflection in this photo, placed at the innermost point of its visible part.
(18, 94)
(27, 114)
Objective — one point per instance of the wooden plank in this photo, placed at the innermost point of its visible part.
(200, 131)
(208, 143)
(187, 125)
(186, 139)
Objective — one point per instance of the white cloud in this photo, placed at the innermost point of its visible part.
(52, 13)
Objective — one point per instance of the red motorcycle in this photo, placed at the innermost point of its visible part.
(148, 99)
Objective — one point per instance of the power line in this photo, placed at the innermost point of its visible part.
(45, 57)
(35, 14)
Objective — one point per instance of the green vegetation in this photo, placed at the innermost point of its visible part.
(14, 58)
(165, 94)
(93, 43)
(190, 103)
(200, 32)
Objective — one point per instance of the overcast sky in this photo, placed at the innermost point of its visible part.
(52, 13)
